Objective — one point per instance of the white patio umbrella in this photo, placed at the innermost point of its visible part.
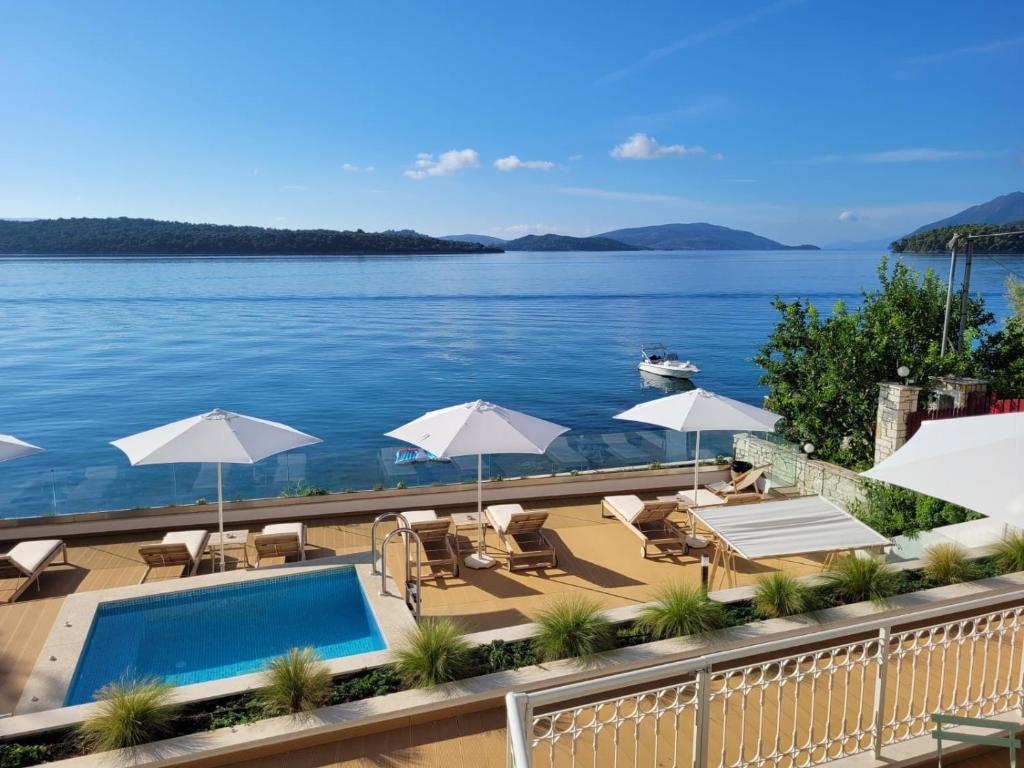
(13, 448)
(699, 410)
(972, 461)
(478, 428)
(218, 437)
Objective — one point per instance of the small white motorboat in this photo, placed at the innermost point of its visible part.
(658, 360)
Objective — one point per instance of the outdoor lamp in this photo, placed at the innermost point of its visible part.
(808, 448)
(903, 372)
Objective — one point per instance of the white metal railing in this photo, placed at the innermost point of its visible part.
(877, 686)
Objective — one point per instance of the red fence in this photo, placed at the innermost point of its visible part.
(978, 404)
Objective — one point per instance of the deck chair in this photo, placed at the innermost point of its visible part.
(281, 540)
(649, 521)
(439, 552)
(748, 486)
(29, 559)
(184, 548)
(522, 535)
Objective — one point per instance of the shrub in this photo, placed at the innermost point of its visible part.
(1008, 554)
(893, 511)
(301, 489)
(781, 594)
(572, 628)
(375, 682)
(296, 682)
(434, 652)
(862, 578)
(948, 564)
(21, 755)
(129, 713)
(681, 610)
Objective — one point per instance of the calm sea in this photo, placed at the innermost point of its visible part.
(346, 348)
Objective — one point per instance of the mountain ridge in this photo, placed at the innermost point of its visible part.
(699, 236)
(1003, 209)
(552, 242)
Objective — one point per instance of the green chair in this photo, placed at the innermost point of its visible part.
(1010, 740)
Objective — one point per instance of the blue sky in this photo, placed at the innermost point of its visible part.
(806, 121)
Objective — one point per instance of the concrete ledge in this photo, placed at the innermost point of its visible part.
(284, 734)
(262, 511)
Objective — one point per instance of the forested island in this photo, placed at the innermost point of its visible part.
(148, 236)
(937, 240)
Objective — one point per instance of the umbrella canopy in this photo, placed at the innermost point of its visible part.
(13, 448)
(478, 428)
(699, 410)
(218, 437)
(972, 461)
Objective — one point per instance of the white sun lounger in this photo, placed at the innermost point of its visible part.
(184, 548)
(281, 540)
(29, 559)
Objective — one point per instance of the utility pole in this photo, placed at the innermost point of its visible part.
(965, 291)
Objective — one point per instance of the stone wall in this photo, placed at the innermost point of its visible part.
(790, 467)
(895, 401)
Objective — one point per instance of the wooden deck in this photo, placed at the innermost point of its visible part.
(597, 557)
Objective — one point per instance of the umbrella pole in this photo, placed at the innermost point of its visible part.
(480, 506)
(696, 467)
(220, 514)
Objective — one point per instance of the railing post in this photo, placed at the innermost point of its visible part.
(881, 678)
(702, 719)
(519, 723)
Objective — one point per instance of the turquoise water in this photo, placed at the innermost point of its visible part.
(205, 634)
(347, 348)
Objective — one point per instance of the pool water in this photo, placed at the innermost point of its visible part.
(204, 634)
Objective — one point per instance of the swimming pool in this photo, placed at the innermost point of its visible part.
(196, 635)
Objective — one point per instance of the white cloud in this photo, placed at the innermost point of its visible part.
(512, 162)
(352, 168)
(446, 164)
(912, 155)
(609, 194)
(980, 48)
(640, 146)
(574, 158)
(849, 216)
(718, 156)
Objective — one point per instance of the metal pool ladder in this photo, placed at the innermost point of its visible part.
(413, 589)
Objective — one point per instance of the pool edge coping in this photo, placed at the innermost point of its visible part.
(48, 683)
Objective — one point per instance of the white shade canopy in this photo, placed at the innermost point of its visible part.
(13, 448)
(699, 410)
(217, 437)
(477, 428)
(973, 461)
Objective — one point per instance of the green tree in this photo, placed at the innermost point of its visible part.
(1001, 355)
(822, 373)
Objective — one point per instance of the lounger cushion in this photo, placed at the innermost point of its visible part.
(297, 528)
(627, 507)
(419, 516)
(501, 514)
(30, 555)
(194, 541)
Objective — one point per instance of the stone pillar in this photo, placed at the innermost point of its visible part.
(895, 401)
(957, 391)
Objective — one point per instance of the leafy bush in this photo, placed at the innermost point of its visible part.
(295, 682)
(781, 594)
(863, 578)
(893, 511)
(21, 755)
(129, 713)
(681, 610)
(1008, 554)
(948, 564)
(572, 628)
(301, 489)
(375, 682)
(499, 656)
(434, 652)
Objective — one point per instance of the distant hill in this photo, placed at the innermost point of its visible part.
(693, 237)
(148, 236)
(478, 239)
(566, 243)
(935, 240)
(999, 210)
